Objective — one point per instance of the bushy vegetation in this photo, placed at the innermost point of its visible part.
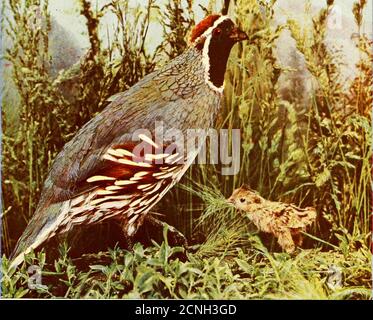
(154, 272)
(311, 150)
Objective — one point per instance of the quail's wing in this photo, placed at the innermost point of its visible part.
(294, 217)
(156, 97)
(82, 156)
(305, 216)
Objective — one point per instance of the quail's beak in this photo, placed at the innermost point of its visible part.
(238, 35)
(230, 201)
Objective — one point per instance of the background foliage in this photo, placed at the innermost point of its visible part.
(311, 150)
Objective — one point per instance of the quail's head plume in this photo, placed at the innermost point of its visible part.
(98, 175)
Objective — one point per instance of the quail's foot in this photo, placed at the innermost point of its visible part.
(174, 236)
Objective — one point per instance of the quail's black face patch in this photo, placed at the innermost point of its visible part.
(219, 48)
(222, 32)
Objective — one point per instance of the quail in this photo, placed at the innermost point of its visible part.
(100, 174)
(285, 221)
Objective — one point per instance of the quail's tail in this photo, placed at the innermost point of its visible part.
(39, 229)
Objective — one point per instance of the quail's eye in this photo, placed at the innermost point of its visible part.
(242, 200)
(217, 31)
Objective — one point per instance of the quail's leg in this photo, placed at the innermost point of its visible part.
(152, 229)
(127, 239)
(298, 239)
(286, 242)
(175, 237)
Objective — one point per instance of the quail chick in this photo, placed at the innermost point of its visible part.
(284, 221)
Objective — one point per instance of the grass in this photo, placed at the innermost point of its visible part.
(312, 149)
(154, 272)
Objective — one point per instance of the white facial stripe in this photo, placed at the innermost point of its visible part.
(206, 63)
(205, 54)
